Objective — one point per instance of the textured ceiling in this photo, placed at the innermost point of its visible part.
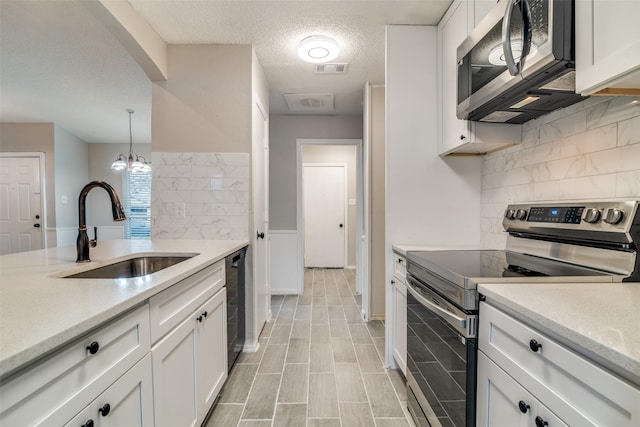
(59, 64)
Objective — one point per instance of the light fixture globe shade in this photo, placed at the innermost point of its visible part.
(119, 164)
(318, 49)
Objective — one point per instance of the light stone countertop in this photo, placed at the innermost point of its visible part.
(403, 249)
(598, 320)
(39, 311)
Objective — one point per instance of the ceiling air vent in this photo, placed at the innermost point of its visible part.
(311, 102)
(331, 68)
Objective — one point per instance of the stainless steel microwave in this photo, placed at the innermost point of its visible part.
(518, 63)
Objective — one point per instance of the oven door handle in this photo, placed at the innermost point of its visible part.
(458, 322)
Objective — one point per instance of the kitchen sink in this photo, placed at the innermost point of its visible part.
(132, 267)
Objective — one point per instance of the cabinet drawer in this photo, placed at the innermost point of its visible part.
(399, 267)
(578, 391)
(67, 381)
(171, 306)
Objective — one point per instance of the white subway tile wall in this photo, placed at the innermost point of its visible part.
(213, 189)
(590, 150)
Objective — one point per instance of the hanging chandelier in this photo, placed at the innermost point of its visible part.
(132, 162)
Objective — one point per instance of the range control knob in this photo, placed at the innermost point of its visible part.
(510, 213)
(613, 216)
(521, 214)
(591, 215)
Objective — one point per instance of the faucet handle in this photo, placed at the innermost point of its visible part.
(94, 242)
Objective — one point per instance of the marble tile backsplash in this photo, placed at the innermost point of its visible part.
(589, 150)
(213, 189)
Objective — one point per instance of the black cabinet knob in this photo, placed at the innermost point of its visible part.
(523, 407)
(104, 411)
(88, 424)
(260, 235)
(205, 313)
(541, 422)
(534, 345)
(93, 347)
(341, 225)
(199, 318)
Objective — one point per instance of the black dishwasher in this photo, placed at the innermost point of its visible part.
(234, 268)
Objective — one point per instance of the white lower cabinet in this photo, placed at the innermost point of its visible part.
(127, 402)
(56, 389)
(519, 363)
(503, 402)
(190, 366)
(399, 315)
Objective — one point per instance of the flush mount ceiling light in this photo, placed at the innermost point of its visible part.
(318, 49)
(132, 162)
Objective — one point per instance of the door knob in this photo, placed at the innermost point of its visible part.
(260, 235)
(36, 225)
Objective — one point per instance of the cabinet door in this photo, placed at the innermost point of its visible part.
(211, 357)
(452, 32)
(499, 396)
(607, 45)
(127, 402)
(174, 376)
(400, 325)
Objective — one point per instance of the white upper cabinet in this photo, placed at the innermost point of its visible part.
(608, 47)
(457, 136)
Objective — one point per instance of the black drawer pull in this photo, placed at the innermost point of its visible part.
(104, 411)
(540, 422)
(93, 347)
(534, 345)
(523, 407)
(205, 313)
(88, 424)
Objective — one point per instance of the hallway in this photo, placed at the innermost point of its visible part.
(318, 365)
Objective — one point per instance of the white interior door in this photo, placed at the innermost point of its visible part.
(262, 291)
(324, 192)
(21, 215)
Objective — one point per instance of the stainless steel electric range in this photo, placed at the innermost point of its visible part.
(548, 242)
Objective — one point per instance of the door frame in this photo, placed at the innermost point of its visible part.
(43, 196)
(345, 206)
(251, 342)
(363, 285)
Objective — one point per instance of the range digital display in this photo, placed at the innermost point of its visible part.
(563, 215)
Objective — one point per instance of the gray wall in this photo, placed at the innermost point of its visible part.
(283, 132)
(340, 154)
(72, 173)
(205, 105)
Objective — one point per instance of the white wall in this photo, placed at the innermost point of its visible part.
(283, 132)
(430, 200)
(72, 173)
(590, 150)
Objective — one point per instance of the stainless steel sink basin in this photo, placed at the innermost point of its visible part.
(133, 267)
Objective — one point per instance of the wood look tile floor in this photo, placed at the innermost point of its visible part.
(318, 365)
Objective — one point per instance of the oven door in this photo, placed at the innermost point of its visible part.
(441, 359)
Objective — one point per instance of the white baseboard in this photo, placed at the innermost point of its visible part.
(290, 291)
(251, 348)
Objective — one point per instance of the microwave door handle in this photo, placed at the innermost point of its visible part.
(515, 69)
(527, 33)
(456, 321)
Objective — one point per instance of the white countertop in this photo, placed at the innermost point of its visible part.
(599, 320)
(40, 311)
(403, 249)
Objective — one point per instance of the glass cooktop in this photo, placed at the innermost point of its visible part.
(463, 266)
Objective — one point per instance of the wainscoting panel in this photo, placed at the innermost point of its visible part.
(283, 254)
